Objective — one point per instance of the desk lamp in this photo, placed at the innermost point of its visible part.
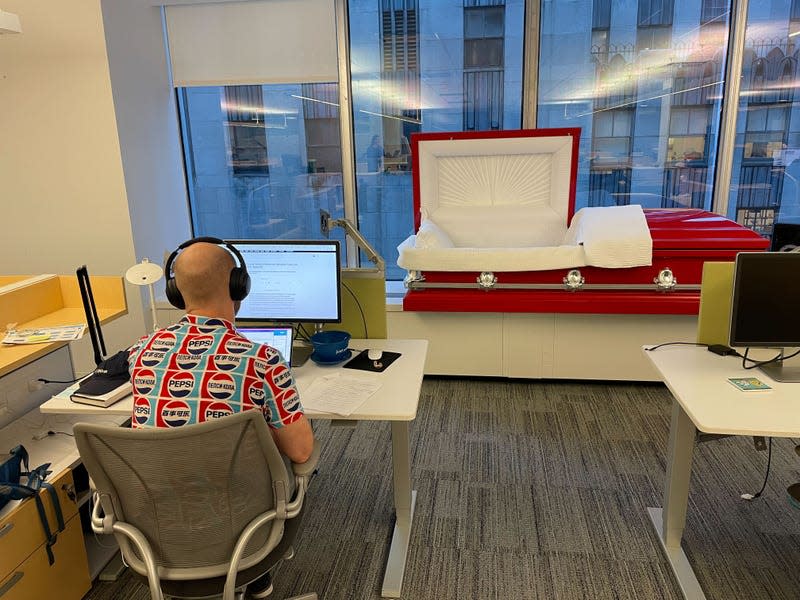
(146, 273)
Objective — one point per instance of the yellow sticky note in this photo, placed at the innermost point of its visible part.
(39, 337)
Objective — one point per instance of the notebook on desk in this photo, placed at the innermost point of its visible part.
(104, 399)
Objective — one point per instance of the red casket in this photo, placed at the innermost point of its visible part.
(480, 198)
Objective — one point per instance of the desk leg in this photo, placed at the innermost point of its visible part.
(670, 522)
(404, 500)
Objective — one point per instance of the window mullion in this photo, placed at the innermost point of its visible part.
(730, 107)
(346, 128)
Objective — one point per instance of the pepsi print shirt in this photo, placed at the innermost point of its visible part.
(201, 369)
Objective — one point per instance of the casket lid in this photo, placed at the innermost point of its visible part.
(505, 169)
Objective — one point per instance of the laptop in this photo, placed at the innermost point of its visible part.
(279, 338)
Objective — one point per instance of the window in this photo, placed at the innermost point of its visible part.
(611, 137)
(648, 105)
(424, 65)
(713, 11)
(654, 13)
(483, 37)
(484, 28)
(261, 170)
(652, 38)
(765, 132)
(601, 14)
(794, 11)
(244, 109)
(264, 154)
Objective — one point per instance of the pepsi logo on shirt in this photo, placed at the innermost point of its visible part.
(179, 384)
(144, 382)
(214, 410)
(141, 411)
(173, 413)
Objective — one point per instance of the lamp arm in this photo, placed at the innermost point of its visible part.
(360, 240)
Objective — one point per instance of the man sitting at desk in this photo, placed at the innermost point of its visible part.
(200, 368)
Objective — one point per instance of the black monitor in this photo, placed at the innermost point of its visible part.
(293, 281)
(765, 305)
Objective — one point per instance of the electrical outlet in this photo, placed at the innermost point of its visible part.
(324, 217)
(34, 385)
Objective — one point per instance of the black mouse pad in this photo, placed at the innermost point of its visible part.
(361, 361)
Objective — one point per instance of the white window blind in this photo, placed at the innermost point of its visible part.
(260, 41)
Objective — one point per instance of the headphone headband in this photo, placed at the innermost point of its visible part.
(238, 284)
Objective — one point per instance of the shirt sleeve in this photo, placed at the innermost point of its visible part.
(282, 406)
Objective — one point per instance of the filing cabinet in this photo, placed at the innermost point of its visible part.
(25, 572)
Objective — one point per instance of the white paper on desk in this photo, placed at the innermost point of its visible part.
(339, 393)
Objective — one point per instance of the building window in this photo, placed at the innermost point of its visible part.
(611, 137)
(687, 134)
(601, 25)
(714, 11)
(765, 131)
(655, 13)
(244, 110)
(483, 37)
(652, 38)
(794, 11)
(484, 28)
(601, 14)
(399, 41)
(321, 115)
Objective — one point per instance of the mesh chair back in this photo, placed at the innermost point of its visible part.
(190, 490)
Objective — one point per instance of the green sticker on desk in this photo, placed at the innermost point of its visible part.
(749, 384)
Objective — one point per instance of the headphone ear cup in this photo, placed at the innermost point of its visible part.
(174, 294)
(239, 284)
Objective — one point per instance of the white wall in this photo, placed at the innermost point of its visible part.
(63, 196)
(147, 124)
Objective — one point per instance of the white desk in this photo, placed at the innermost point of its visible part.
(396, 401)
(704, 400)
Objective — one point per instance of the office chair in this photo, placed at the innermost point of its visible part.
(200, 510)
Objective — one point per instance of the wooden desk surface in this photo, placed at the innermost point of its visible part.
(13, 357)
(50, 303)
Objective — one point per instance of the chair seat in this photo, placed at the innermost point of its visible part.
(207, 588)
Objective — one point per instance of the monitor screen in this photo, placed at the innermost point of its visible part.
(764, 309)
(293, 281)
(279, 338)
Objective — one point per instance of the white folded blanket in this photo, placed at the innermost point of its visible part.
(534, 258)
(612, 236)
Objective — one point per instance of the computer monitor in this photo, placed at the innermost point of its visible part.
(293, 281)
(764, 307)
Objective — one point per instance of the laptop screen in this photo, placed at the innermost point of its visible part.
(279, 338)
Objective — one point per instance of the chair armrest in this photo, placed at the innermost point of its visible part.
(307, 468)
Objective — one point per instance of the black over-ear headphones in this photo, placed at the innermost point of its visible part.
(238, 285)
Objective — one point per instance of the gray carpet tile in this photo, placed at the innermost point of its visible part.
(538, 490)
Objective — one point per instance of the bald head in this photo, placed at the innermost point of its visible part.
(202, 274)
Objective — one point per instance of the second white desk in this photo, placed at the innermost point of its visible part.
(704, 400)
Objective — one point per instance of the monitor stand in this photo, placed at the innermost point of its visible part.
(782, 373)
(300, 354)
